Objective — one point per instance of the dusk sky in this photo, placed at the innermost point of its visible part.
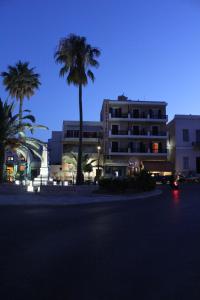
(150, 51)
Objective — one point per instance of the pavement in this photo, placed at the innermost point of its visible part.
(65, 196)
(134, 250)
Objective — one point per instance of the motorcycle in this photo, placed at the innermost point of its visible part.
(174, 185)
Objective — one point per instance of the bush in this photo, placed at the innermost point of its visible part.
(145, 182)
(141, 182)
(116, 184)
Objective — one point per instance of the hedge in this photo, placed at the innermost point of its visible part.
(139, 183)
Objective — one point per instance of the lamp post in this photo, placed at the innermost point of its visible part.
(98, 161)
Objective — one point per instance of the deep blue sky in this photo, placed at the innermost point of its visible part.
(150, 50)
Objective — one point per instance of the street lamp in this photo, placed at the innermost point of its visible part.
(98, 150)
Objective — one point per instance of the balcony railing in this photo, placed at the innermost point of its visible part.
(138, 133)
(120, 132)
(119, 115)
(88, 135)
(138, 150)
(139, 116)
(160, 133)
(124, 150)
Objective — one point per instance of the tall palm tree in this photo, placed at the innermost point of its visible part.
(21, 81)
(76, 58)
(12, 136)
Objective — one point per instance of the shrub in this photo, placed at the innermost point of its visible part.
(116, 184)
(145, 182)
(141, 182)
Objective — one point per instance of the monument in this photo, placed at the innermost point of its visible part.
(43, 177)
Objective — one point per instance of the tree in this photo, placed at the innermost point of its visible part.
(87, 162)
(76, 58)
(21, 81)
(12, 134)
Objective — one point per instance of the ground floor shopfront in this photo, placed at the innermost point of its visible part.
(130, 166)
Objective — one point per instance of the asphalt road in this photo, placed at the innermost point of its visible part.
(141, 249)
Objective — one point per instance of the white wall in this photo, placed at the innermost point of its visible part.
(179, 148)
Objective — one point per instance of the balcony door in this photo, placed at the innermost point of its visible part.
(154, 130)
(116, 112)
(136, 113)
(115, 129)
(136, 130)
(115, 146)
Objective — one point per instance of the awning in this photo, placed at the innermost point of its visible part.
(158, 166)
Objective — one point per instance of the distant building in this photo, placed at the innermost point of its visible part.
(134, 136)
(184, 143)
(64, 144)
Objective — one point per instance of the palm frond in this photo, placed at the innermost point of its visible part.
(76, 56)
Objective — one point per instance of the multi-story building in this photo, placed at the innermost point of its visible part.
(64, 144)
(184, 143)
(134, 136)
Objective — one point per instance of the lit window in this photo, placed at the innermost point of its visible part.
(155, 147)
(22, 168)
(10, 158)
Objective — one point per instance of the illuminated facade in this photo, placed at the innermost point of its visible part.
(21, 167)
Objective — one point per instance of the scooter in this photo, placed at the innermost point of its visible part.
(174, 185)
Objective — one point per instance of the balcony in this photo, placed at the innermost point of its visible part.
(196, 146)
(119, 150)
(141, 134)
(73, 136)
(137, 151)
(138, 117)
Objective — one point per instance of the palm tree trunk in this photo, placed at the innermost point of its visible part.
(2, 157)
(79, 176)
(20, 110)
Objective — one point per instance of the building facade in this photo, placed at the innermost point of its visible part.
(134, 136)
(184, 144)
(21, 167)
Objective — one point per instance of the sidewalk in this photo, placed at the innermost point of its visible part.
(70, 196)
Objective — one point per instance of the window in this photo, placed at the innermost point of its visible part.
(185, 135)
(115, 129)
(154, 130)
(136, 113)
(198, 135)
(114, 146)
(185, 162)
(136, 130)
(155, 147)
(198, 165)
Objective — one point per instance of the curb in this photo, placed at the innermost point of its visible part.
(35, 199)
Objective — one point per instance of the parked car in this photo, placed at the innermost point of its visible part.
(161, 178)
(192, 177)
